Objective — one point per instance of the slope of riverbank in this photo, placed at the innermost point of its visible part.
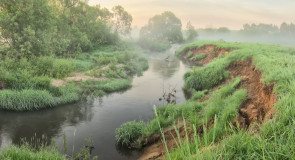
(243, 94)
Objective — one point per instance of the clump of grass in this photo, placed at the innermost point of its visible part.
(198, 95)
(200, 56)
(26, 152)
(128, 132)
(101, 87)
(31, 99)
(213, 52)
(189, 54)
(206, 77)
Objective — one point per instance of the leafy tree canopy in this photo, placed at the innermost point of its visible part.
(165, 27)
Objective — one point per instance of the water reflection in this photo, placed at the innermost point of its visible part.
(42, 123)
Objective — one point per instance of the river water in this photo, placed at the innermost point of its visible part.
(99, 117)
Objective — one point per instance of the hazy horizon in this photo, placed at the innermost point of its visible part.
(209, 13)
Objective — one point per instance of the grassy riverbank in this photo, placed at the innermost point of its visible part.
(241, 107)
(42, 82)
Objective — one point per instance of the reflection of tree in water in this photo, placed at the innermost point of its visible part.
(166, 68)
(46, 123)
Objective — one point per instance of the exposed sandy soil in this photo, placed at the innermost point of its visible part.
(257, 107)
(81, 77)
(77, 77)
(208, 50)
(154, 147)
(260, 97)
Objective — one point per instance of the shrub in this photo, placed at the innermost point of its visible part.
(62, 68)
(41, 82)
(44, 65)
(128, 132)
(200, 56)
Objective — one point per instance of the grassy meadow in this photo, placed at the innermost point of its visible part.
(274, 138)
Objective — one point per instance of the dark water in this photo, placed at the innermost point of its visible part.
(98, 118)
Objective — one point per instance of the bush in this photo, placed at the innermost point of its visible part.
(128, 132)
(62, 68)
(44, 65)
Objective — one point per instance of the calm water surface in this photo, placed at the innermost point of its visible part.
(98, 118)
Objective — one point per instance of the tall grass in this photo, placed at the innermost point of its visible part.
(25, 152)
(30, 99)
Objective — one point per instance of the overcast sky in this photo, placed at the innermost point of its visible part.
(209, 13)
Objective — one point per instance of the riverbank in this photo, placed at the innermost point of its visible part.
(242, 94)
(98, 117)
(45, 82)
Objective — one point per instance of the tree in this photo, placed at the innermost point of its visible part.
(61, 27)
(121, 20)
(191, 31)
(27, 26)
(165, 27)
(223, 30)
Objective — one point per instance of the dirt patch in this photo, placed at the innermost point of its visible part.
(260, 100)
(77, 77)
(211, 52)
(155, 148)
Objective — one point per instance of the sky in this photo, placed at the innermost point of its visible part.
(209, 13)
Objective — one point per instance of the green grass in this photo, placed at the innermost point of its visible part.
(275, 139)
(206, 77)
(100, 88)
(198, 112)
(25, 152)
(200, 56)
(128, 132)
(36, 99)
(189, 54)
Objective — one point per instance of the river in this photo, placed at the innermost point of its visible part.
(98, 118)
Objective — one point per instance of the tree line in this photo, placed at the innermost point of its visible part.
(60, 27)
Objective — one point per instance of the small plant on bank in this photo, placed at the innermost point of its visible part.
(129, 132)
(189, 54)
(200, 57)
